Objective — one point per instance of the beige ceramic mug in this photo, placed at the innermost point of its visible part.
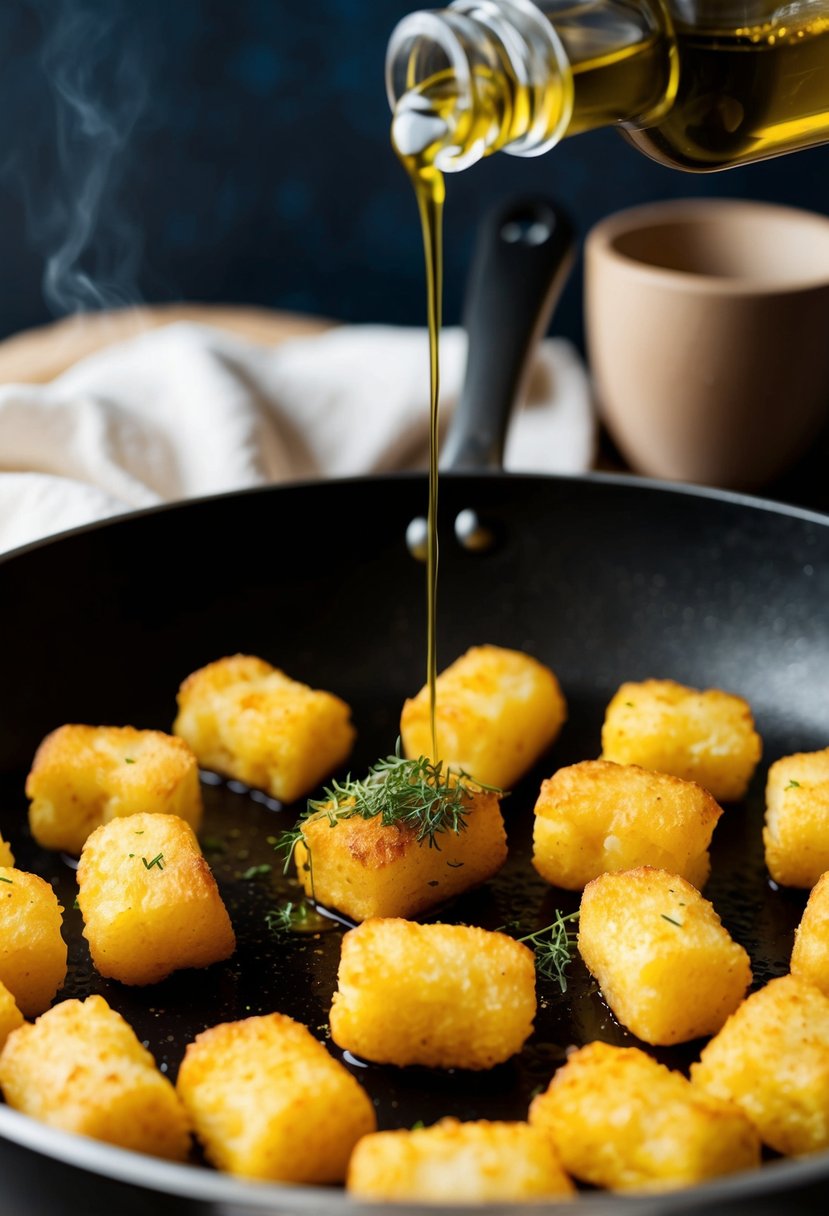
(708, 337)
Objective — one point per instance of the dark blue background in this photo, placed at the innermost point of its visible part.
(259, 169)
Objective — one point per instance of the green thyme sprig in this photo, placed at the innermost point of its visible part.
(293, 917)
(418, 794)
(554, 946)
(283, 918)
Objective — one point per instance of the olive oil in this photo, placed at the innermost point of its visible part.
(621, 76)
(695, 96)
(413, 131)
(473, 79)
(430, 192)
(744, 95)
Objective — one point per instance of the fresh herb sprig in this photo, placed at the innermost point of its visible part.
(554, 946)
(418, 794)
(293, 917)
(283, 918)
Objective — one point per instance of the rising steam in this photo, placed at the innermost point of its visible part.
(93, 69)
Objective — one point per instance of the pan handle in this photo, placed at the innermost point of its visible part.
(523, 254)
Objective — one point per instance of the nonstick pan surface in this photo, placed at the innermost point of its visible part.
(604, 579)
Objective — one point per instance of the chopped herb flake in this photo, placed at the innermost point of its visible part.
(158, 860)
(9, 880)
(665, 916)
(793, 785)
(76, 905)
(128, 760)
(256, 871)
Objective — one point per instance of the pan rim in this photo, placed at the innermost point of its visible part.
(198, 1183)
(737, 498)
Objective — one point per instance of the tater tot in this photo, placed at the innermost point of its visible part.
(365, 868)
(462, 997)
(6, 855)
(10, 1015)
(796, 833)
(81, 1068)
(83, 776)
(772, 1059)
(249, 720)
(619, 1119)
(453, 1162)
(598, 816)
(268, 1101)
(810, 955)
(32, 950)
(496, 712)
(149, 901)
(663, 959)
(703, 736)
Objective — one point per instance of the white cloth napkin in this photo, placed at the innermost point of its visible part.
(190, 410)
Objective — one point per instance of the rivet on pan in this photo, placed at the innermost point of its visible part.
(526, 230)
(474, 536)
(417, 536)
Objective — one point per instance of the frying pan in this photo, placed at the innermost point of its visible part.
(603, 578)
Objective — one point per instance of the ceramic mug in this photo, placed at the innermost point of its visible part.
(708, 337)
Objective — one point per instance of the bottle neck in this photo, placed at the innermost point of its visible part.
(485, 75)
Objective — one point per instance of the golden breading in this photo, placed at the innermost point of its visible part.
(453, 1162)
(620, 1120)
(596, 816)
(6, 855)
(461, 997)
(772, 1059)
(83, 776)
(32, 951)
(365, 869)
(10, 1015)
(796, 834)
(707, 737)
(81, 1068)
(246, 719)
(665, 964)
(149, 901)
(497, 711)
(268, 1101)
(810, 956)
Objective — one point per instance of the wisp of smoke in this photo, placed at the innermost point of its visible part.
(94, 68)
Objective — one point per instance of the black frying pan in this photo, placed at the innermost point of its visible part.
(605, 579)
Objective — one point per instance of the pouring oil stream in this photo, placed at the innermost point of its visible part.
(414, 135)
